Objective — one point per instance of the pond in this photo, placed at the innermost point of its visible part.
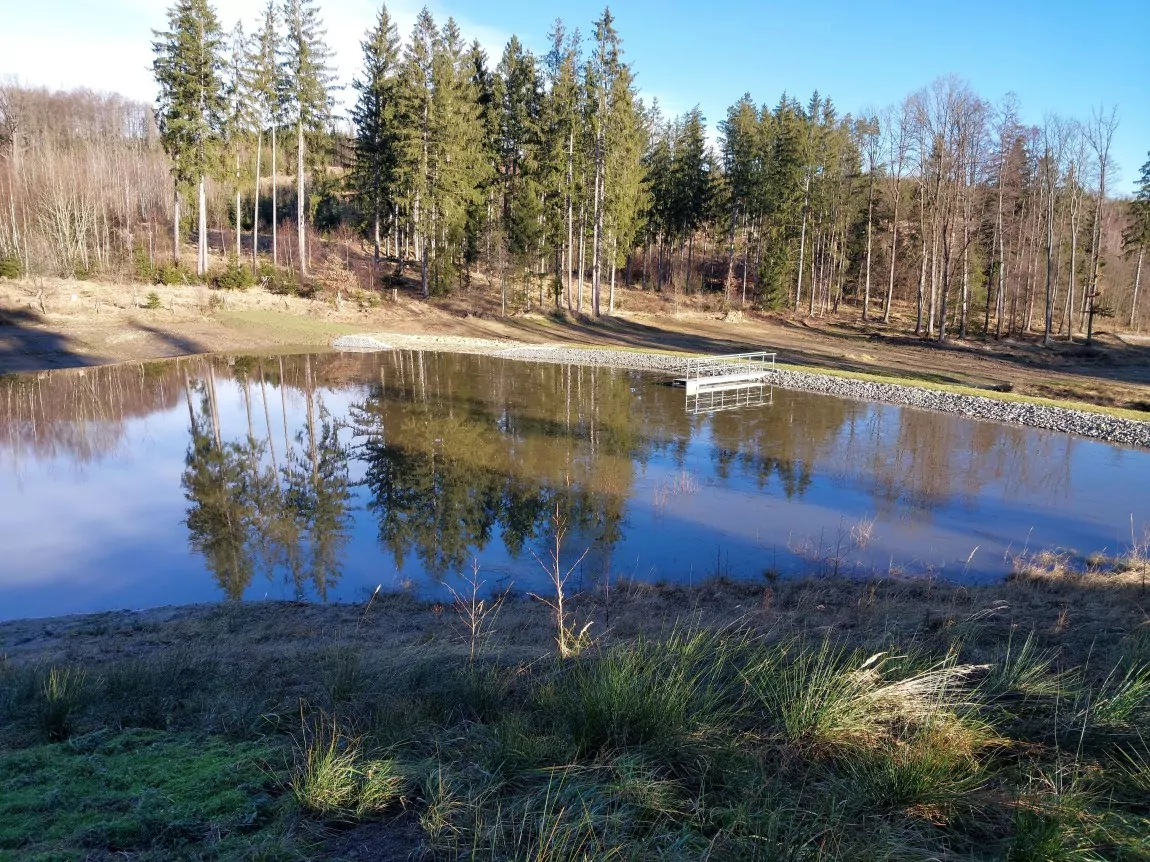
(325, 476)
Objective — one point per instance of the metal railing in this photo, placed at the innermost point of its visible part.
(699, 371)
(715, 399)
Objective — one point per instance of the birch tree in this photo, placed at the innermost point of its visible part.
(894, 125)
(1100, 134)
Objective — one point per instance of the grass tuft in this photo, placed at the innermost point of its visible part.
(62, 693)
(828, 700)
(334, 780)
(670, 694)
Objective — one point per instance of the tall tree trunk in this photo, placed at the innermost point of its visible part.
(256, 205)
(869, 217)
(1049, 317)
(420, 243)
(1095, 254)
(611, 301)
(301, 210)
(570, 213)
(932, 306)
(729, 282)
(945, 279)
(176, 229)
(1075, 203)
(582, 249)
(1137, 284)
(922, 266)
(990, 273)
(893, 256)
(803, 242)
(597, 227)
(690, 256)
(275, 210)
(239, 243)
(202, 248)
(815, 247)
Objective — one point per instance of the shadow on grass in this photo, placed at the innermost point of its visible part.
(26, 345)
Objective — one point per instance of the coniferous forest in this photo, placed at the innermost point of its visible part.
(548, 178)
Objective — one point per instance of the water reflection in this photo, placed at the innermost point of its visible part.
(321, 476)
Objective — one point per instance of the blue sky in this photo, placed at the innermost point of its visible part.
(1057, 56)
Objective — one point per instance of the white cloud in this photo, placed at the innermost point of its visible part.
(108, 46)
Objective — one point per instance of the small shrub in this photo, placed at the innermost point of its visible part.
(153, 301)
(144, 266)
(278, 281)
(234, 276)
(171, 273)
(10, 267)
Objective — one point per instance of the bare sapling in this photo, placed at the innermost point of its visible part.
(569, 641)
(476, 615)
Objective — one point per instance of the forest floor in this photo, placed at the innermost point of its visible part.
(47, 323)
(811, 719)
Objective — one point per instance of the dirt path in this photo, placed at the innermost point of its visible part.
(54, 323)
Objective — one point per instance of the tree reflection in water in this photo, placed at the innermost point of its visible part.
(439, 459)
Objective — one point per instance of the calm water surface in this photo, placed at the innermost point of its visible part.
(323, 476)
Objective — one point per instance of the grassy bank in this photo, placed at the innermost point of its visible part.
(819, 719)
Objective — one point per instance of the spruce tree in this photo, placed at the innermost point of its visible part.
(457, 165)
(690, 181)
(241, 113)
(561, 111)
(518, 93)
(1137, 234)
(308, 85)
(376, 117)
(267, 88)
(191, 106)
(626, 193)
(602, 69)
(741, 142)
(415, 97)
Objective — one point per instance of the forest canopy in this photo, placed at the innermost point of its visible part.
(551, 174)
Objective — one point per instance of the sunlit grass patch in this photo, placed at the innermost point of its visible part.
(827, 699)
(334, 779)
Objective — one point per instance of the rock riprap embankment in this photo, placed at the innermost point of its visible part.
(1112, 429)
(361, 343)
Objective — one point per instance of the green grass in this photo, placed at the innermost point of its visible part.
(140, 793)
(284, 327)
(698, 743)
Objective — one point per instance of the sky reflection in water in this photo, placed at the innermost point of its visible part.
(323, 476)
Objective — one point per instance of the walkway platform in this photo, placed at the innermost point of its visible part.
(729, 372)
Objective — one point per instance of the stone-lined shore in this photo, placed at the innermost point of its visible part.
(1098, 426)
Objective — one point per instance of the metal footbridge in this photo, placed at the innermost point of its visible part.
(727, 382)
